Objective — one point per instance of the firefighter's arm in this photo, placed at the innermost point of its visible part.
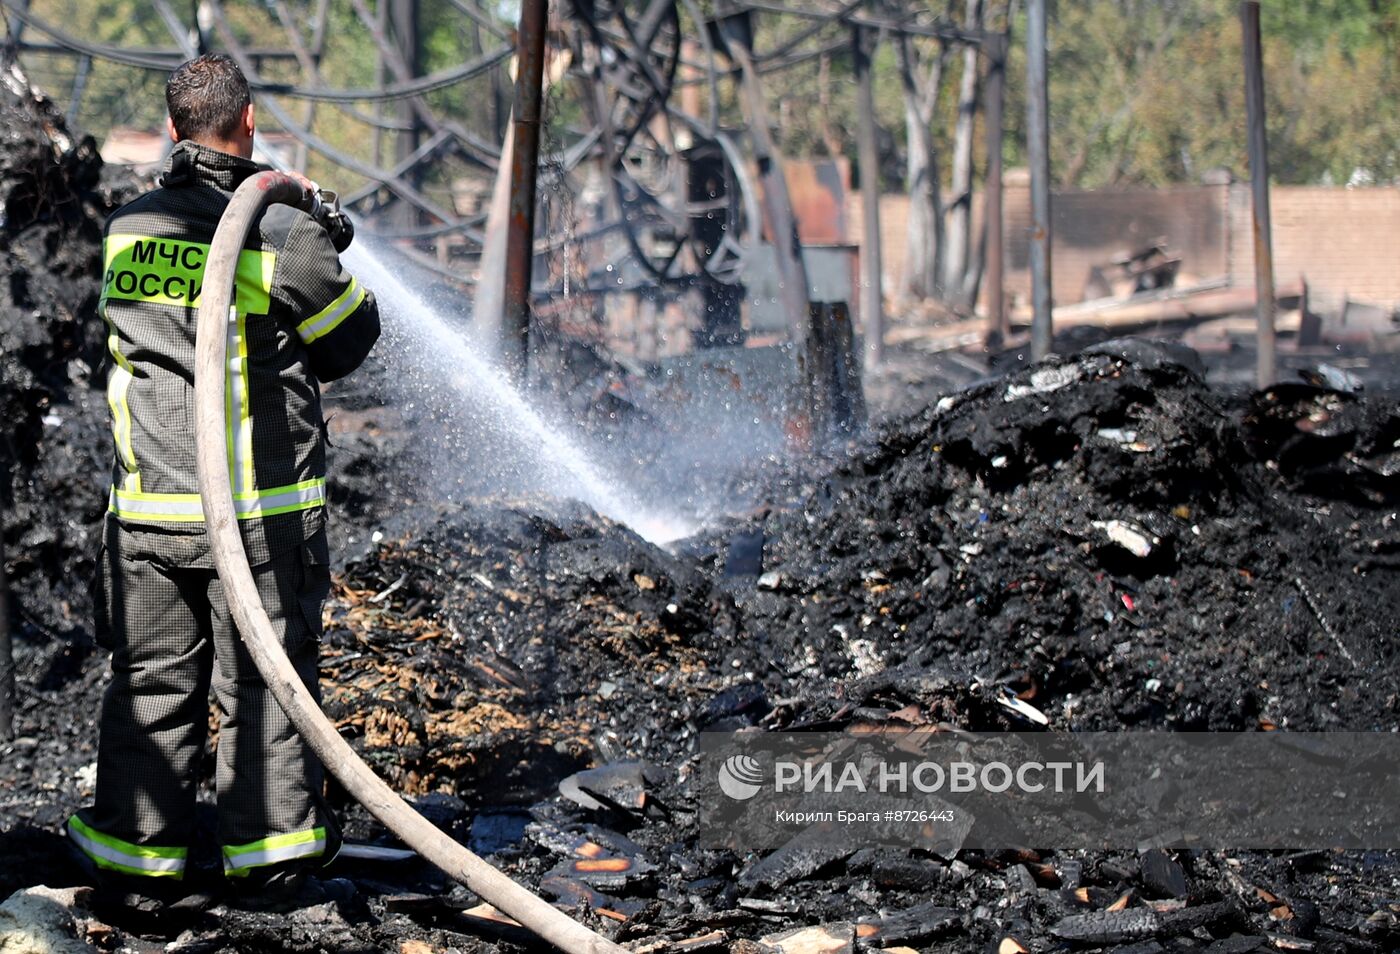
(336, 317)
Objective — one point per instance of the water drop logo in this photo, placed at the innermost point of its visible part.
(740, 777)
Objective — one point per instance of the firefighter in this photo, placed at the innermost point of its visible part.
(299, 319)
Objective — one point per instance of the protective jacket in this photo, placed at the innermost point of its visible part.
(299, 317)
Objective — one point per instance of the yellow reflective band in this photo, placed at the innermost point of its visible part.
(187, 508)
(165, 271)
(238, 415)
(240, 859)
(118, 381)
(108, 852)
(171, 272)
(329, 318)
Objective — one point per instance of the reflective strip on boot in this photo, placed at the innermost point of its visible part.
(240, 859)
(108, 852)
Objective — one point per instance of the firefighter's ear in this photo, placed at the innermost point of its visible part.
(170, 129)
(249, 123)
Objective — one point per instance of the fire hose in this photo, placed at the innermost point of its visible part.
(231, 562)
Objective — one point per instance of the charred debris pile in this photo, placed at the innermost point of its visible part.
(1100, 542)
(1102, 539)
(55, 195)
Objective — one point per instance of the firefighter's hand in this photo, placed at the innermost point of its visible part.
(337, 224)
(341, 230)
(312, 189)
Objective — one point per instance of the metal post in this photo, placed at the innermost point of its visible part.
(871, 300)
(316, 50)
(7, 656)
(489, 308)
(403, 16)
(80, 81)
(525, 149)
(14, 33)
(1038, 152)
(381, 14)
(1259, 179)
(777, 206)
(998, 328)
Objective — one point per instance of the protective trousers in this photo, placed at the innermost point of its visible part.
(171, 635)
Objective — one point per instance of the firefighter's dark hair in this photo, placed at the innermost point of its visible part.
(206, 97)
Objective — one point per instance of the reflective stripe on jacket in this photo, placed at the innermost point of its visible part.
(298, 318)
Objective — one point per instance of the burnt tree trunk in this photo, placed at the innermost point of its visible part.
(924, 249)
(958, 236)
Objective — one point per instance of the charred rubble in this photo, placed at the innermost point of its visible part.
(1096, 542)
(1103, 539)
(55, 195)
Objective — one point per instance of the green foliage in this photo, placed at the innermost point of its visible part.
(1143, 92)
(1150, 93)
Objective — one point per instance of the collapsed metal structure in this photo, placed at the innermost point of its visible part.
(646, 77)
(643, 189)
(676, 200)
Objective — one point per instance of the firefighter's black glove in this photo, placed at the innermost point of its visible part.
(341, 230)
(326, 211)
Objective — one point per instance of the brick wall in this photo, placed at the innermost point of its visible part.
(1344, 241)
(1092, 228)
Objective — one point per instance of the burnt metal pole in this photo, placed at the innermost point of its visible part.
(872, 311)
(777, 207)
(14, 33)
(525, 150)
(1038, 152)
(381, 14)
(998, 328)
(404, 19)
(1259, 179)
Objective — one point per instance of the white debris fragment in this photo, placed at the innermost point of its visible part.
(1022, 708)
(86, 777)
(864, 656)
(1125, 439)
(1133, 539)
(770, 580)
(1045, 380)
(39, 920)
(374, 853)
(835, 938)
